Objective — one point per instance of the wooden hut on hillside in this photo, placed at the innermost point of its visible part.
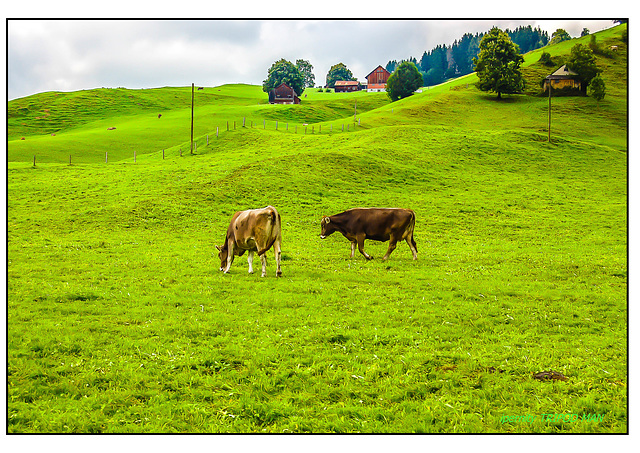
(563, 77)
(283, 94)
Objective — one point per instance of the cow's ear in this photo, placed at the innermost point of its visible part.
(325, 219)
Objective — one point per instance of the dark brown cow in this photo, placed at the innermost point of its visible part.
(377, 224)
(255, 230)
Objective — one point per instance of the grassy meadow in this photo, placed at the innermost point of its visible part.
(119, 320)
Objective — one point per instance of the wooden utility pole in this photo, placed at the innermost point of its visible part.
(192, 95)
(549, 126)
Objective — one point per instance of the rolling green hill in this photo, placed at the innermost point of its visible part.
(119, 320)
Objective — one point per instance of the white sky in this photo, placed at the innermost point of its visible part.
(69, 55)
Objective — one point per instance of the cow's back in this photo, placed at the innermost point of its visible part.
(378, 223)
(246, 225)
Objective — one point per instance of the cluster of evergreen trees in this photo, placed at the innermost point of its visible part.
(444, 62)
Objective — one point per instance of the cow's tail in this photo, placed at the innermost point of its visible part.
(273, 224)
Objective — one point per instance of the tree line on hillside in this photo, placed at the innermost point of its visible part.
(444, 62)
(299, 76)
(495, 56)
(498, 65)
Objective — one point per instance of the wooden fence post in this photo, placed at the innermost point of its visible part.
(192, 97)
(217, 131)
(227, 126)
(244, 121)
(106, 157)
(163, 154)
(34, 160)
(276, 124)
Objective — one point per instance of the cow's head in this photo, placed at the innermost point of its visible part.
(326, 227)
(223, 254)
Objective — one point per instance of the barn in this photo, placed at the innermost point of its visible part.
(377, 79)
(283, 94)
(347, 86)
(563, 77)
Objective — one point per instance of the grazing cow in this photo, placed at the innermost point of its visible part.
(255, 230)
(377, 224)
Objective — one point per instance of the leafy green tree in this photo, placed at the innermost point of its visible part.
(338, 72)
(283, 71)
(306, 69)
(585, 32)
(545, 59)
(404, 81)
(498, 64)
(597, 88)
(583, 62)
(559, 35)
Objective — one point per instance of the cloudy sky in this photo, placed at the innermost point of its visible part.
(69, 55)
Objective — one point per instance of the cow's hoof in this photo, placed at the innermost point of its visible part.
(279, 274)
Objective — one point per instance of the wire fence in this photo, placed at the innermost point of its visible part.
(207, 140)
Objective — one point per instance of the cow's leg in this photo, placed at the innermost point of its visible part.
(263, 260)
(353, 248)
(360, 240)
(230, 256)
(412, 246)
(392, 246)
(278, 254)
(250, 260)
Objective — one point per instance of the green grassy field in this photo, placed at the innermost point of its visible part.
(119, 320)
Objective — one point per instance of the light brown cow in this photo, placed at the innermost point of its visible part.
(255, 230)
